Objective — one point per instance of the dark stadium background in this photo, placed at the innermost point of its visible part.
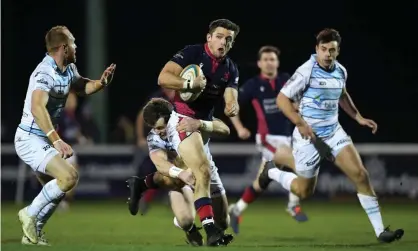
(378, 49)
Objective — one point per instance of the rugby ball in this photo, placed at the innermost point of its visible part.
(190, 72)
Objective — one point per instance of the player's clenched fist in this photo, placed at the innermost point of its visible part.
(63, 148)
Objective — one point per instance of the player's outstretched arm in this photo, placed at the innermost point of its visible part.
(84, 86)
(348, 106)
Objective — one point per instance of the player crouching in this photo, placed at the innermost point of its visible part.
(171, 167)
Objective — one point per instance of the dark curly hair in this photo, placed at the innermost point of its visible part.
(224, 23)
(328, 35)
(155, 109)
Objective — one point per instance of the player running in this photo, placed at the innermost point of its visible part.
(319, 85)
(36, 141)
(274, 129)
(222, 82)
(156, 114)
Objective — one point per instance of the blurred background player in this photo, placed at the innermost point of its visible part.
(221, 85)
(274, 129)
(168, 163)
(36, 141)
(319, 86)
(142, 158)
(70, 131)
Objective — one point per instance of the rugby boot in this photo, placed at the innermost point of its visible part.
(388, 236)
(297, 213)
(136, 187)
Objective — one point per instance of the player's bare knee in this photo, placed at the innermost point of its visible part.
(72, 178)
(360, 176)
(185, 221)
(69, 180)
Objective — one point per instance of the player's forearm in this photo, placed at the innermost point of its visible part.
(348, 106)
(171, 81)
(288, 109)
(164, 166)
(93, 86)
(215, 127)
(230, 95)
(85, 86)
(43, 120)
(236, 121)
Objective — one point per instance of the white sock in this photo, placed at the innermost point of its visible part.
(46, 213)
(293, 200)
(49, 193)
(282, 177)
(240, 206)
(371, 206)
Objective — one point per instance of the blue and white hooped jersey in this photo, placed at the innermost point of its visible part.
(318, 92)
(155, 142)
(48, 77)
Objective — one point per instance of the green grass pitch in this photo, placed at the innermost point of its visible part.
(107, 226)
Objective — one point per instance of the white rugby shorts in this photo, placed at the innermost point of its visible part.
(308, 155)
(35, 151)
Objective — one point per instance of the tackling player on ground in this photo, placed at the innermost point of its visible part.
(146, 165)
(156, 114)
(274, 129)
(36, 141)
(319, 86)
(221, 85)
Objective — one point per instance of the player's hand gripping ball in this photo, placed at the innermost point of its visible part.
(197, 82)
